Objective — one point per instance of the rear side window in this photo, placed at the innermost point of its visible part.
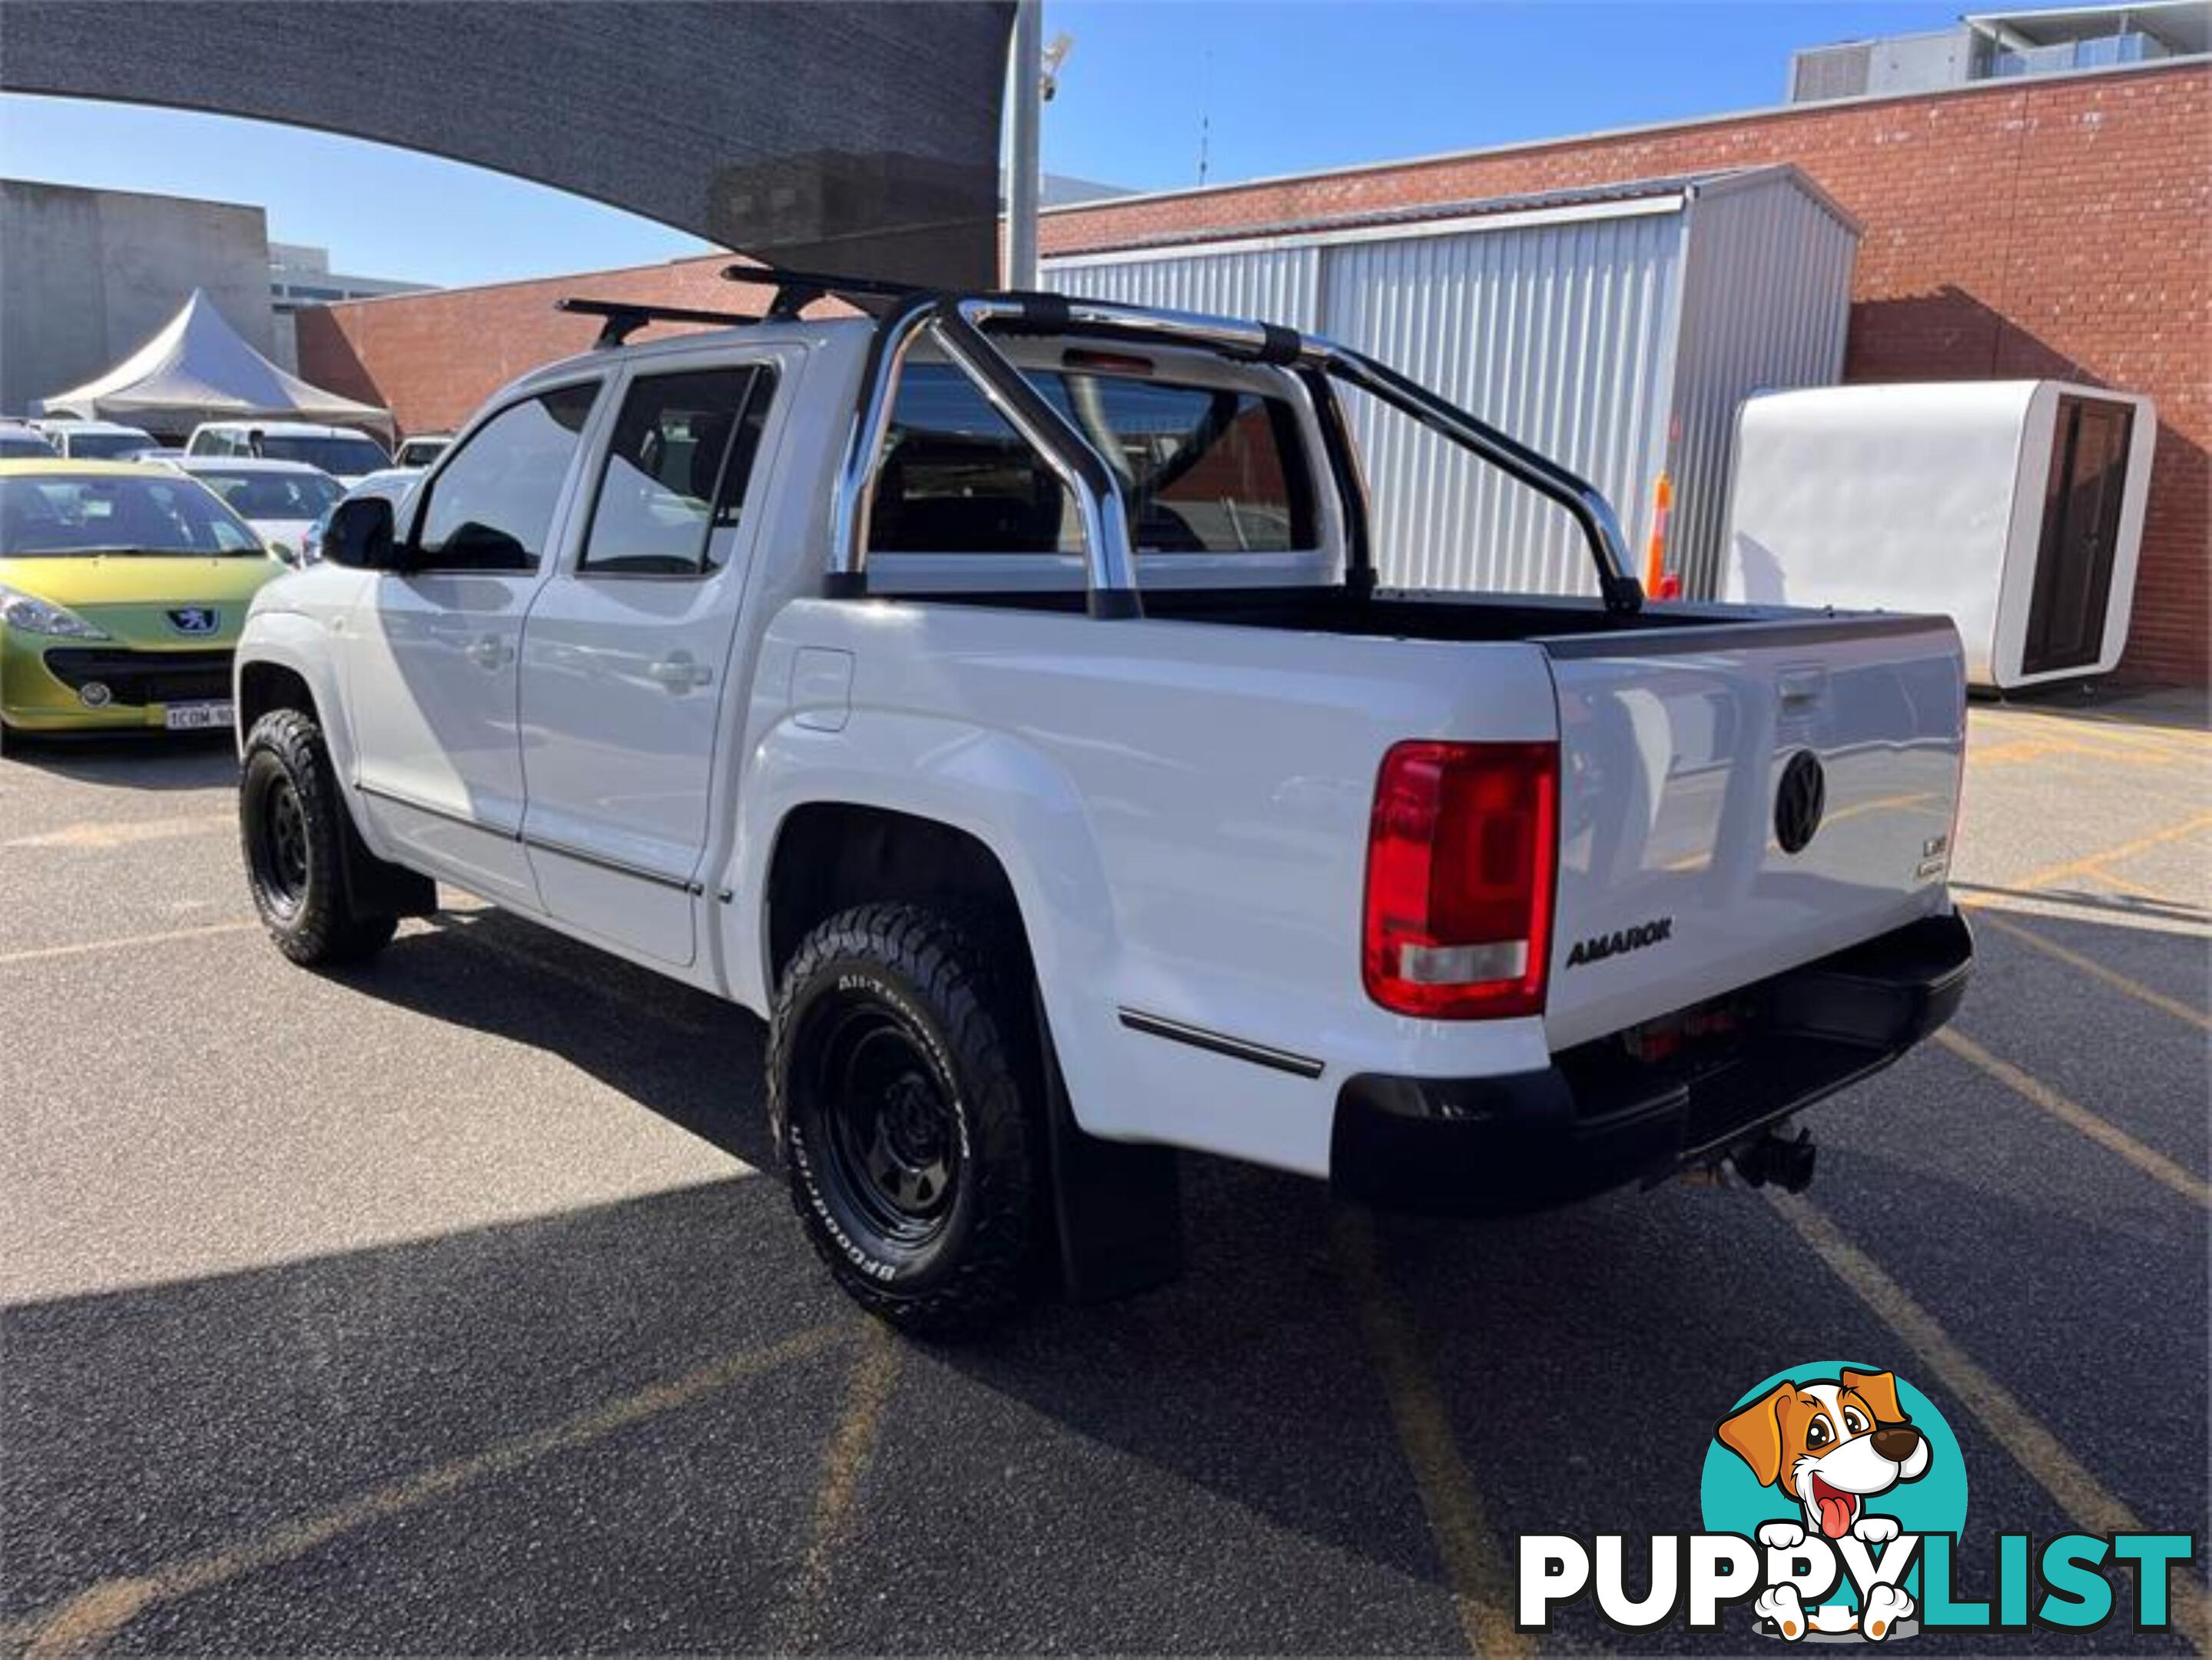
(675, 476)
(491, 508)
(274, 495)
(1202, 468)
(102, 446)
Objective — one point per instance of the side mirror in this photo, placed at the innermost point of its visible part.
(359, 535)
(284, 555)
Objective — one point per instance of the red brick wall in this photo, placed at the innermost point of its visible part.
(2059, 228)
(432, 359)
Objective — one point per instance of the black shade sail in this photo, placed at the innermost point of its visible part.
(838, 134)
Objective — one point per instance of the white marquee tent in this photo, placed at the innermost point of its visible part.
(199, 368)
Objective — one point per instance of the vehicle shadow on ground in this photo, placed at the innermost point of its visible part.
(154, 761)
(2103, 1001)
(1588, 1356)
(1235, 1461)
(2162, 941)
(2126, 910)
(1230, 1379)
(1253, 1335)
(388, 1399)
(692, 1059)
(612, 1429)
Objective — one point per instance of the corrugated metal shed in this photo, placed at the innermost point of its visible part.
(1616, 328)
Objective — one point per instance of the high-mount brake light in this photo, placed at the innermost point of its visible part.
(1461, 870)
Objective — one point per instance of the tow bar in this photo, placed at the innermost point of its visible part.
(1769, 1157)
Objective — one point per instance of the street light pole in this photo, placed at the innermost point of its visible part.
(1023, 145)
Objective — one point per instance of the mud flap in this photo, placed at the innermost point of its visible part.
(375, 888)
(1116, 1207)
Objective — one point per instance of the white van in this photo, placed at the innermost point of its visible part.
(95, 441)
(347, 455)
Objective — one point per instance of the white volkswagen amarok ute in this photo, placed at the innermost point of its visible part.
(993, 691)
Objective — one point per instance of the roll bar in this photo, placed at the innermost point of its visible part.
(958, 326)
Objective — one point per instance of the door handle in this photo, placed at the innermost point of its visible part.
(679, 673)
(488, 652)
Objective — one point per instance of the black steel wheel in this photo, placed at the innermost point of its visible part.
(900, 1061)
(891, 1142)
(292, 831)
(280, 850)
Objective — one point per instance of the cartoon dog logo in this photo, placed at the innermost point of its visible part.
(1831, 1445)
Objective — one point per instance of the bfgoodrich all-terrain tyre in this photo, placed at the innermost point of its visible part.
(292, 829)
(901, 1068)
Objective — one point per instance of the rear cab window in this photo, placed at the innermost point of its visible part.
(674, 477)
(1213, 472)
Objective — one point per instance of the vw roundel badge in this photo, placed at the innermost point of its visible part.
(196, 619)
(1800, 801)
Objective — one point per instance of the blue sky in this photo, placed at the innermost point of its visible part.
(1285, 88)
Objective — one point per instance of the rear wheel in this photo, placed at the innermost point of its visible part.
(901, 1071)
(292, 830)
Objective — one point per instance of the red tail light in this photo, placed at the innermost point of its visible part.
(1462, 858)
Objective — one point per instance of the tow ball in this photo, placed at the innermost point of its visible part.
(1769, 1157)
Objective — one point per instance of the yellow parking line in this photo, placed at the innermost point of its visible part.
(2129, 885)
(119, 833)
(1481, 1580)
(2032, 1447)
(851, 1444)
(94, 1615)
(2133, 731)
(2088, 864)
(130, 942)
(2110, 729)
(2158, 1000)
(2010, 752)
(2014, 752)
(2151, 1163)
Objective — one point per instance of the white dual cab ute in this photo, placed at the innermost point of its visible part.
(994, 692)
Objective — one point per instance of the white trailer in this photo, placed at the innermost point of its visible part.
(2015, 507)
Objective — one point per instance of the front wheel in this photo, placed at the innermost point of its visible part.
(900, 1061)
(293, 830)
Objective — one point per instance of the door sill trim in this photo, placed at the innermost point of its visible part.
(447, 813)
(616, 867)
(538, 843)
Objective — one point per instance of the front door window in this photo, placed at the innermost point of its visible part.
(491, 509)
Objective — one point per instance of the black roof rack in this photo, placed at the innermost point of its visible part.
(624, 318)
(796, 290)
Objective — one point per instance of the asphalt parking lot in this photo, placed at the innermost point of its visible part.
(451, 1305)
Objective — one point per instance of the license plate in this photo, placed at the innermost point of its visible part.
(197, 717)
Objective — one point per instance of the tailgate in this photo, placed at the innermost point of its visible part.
(1693, 763)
